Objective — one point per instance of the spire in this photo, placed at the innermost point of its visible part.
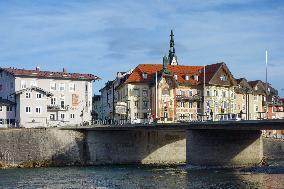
(172, 56)
(172, 41)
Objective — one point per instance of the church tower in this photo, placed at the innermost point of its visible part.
(172, 52)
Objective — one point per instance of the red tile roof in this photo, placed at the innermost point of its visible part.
(151, 69)
(48, 74)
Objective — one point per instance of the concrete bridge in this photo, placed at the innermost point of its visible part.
(229, 144)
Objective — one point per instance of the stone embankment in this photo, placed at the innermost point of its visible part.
(40, 147)
(273, 149)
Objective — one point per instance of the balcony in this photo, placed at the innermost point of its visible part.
(189, 98)
(57, 108)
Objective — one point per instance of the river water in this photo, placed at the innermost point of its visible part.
(143, 177)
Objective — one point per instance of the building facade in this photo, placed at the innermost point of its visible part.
(42, 99)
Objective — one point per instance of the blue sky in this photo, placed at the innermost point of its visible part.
(103, 37)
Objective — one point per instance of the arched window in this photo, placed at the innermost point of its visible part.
(165, 91)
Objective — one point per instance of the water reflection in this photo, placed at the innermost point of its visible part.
(130, 177)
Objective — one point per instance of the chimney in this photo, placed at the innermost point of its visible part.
(64, 70)
(37, 68)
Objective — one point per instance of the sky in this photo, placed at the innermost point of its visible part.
(104, 37)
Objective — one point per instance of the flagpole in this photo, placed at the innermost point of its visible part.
(156, 95)
(266, 85)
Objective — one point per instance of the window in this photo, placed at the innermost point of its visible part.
(72, 116)
(136, 104)
(53, 101)
(1, 121)
(9, 108)
(175, 76)
(195, 77)
(62, 104)
(62, 86)
(255, 97)
(225, 105)
(28, 95)
(145, 92)
(145, 115)
(38, 110)
(144, 75)
(23, 84)
(208, 93)
(190, 93)
(182, 116)
(1, 87)
(145, 104)
(165, 91)
(52, 117)
(1, 108)
(53, 86)
(136, 115)
(136, 92)
(223, 78)
(71, 86)
(38, 95)
(186, 77)
(165, 114)
(33, 83)
(256, 108)
(198, 104)
(62, 116)
(224, 93)
(215, 93)
(190, 116)
(86, 87)
(181, 104)
(28, 109)
(190, 105)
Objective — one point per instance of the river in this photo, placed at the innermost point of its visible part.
(142, 177)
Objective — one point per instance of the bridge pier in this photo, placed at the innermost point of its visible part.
(224, 148)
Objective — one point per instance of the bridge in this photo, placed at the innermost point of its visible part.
(229, 144)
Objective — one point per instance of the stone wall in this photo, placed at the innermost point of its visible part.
(67, 147)
(273, 149)
(139, 146)
(59, 146)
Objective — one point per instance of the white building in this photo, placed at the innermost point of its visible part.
(35, 98)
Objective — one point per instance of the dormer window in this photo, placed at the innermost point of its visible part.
(175, 76)
(144, 75)
(255, 88)
(223, 78)
(186, 77)
(195, 77)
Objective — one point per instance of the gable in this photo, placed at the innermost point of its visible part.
(223, 77)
